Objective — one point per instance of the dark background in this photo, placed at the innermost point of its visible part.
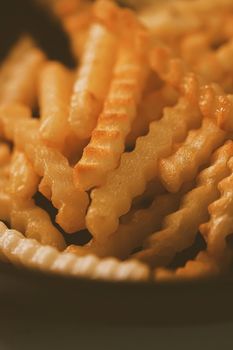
(24, 16)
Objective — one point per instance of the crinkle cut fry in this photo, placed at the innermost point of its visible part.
(93, 79)
(220, 224)
(215, 66)
(18, 207)
(57, 179)
(18, 76)
(183, 165)
(213, 102)
(31, 254)
(201, 267)
(51, 165)
(150, 109)
(55, 87)
(138, 167)
(180, 228)
(130, 234)
(107, 142)
(169, 22)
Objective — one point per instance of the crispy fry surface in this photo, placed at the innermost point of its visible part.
(181, 227)
(129, 148)
(107, 143)
(56, 84)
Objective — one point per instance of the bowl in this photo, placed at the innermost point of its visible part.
(38, 297)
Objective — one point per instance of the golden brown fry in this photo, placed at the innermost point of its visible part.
(225, 120)
(195, 151)
(202, 266)
(18, 77)
(23, 181)
(220, 226)
(130, 234)
(55, 89)
(137, 168)
(10, 115)
(93, 80)
(29, 253)
(213, 66)
(150, 109)
(57, 179)
(170, 21)
(212, 100)
(52, 166)
(107, 143)
(20, 210)
(180, 228)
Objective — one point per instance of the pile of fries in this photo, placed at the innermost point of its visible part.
(132, 148)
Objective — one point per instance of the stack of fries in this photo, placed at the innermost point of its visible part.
(134, 146)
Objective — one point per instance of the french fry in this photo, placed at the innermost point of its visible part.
(57, 180)
(107, 142)
(19, 209)
(150, 109)
(180, 228)
(213, 102)
(18, 77)
(195, 151)
(29, 253)
(93, 79)
(137, 168)
(215, 65)
(219, 226)
(52, 166)
(23, 181)
(170, 21)
(55, 89)
(201, 267)
(10, 115)
(130, 234)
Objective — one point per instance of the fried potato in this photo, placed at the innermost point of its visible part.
(225, 119)
(132, 232)
(170, 21)
(195, 151)
(28, 252)
(220, 224)
(52, 166)
(107, 142)
(23, 181)
(180, 228)
(10, 115)
(19, 209)
(93, 79)
(215, 65)
(55, 90)
(18, 76)
(150, 109)
(57, 180)
(137, 168)
(213, 102)
(201, 267)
